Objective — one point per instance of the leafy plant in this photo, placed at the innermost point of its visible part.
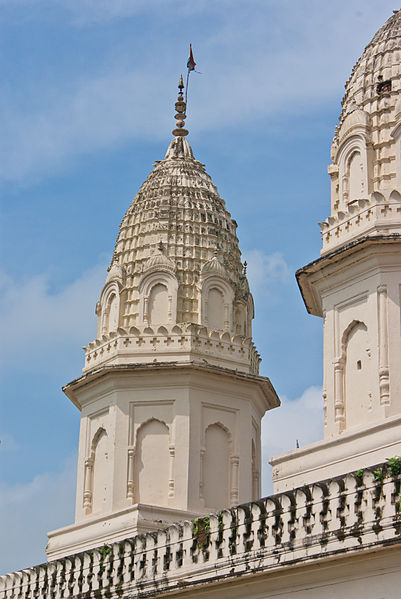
(105, 550)
(379, 475)
(394, 465)
(201, 531)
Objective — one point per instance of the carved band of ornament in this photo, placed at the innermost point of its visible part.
(347, 220)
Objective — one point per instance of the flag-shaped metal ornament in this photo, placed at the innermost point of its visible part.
(191, 64)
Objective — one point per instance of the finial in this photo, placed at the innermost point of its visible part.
(180, 107)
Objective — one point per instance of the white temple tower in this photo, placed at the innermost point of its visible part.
(355, 286)
(170, 396)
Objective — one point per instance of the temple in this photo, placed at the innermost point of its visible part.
(168, 490)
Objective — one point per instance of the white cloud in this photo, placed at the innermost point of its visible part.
(39, 327)
(7, 442)
(28, 511)
(264, 270)
(300, 419)
(260, 62)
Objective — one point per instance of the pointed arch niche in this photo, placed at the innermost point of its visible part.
(353, 387)
(217, 477)
(158, 298)
(109, 308)
(150, 477)
(217, 298)
(354, 158)
(97, 470)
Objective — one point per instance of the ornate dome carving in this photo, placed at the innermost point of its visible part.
(214, 266)
(377, 73)
(159, 262)
(366, 150)
(179, 206)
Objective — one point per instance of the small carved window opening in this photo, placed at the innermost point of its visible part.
(383, 87)
(359, 365)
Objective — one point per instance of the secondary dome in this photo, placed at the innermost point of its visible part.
(377, 72)
(366, 150)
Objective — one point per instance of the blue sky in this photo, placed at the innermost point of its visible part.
(86, 106)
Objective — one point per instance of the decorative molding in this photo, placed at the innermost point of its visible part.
(176, 342)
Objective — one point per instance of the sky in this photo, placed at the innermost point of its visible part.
(87, 92)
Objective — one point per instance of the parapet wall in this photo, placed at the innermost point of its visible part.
(358, 512)
(173, 343)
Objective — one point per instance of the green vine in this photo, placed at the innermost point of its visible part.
(104, 551)
(201, 531)
(379, 475)
(394, 465)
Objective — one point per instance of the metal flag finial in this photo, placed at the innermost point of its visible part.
(180, 115)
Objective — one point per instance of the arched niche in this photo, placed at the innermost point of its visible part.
(354, 163)
(216, 466)
(358, 392)
(217, 298)
(158, 298)
(108, 309)
(240, 319)
(158, 304)
(151, 463)
(97, 474)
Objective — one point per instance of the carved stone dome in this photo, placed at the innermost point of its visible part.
(179, 207)
(377, 73)
(366, 149)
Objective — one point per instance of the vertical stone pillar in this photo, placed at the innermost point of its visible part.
(88, 478)
(171, 471)
(201, 480)
(384, 375)
(131, 473)
(234, 480)
(339, 408)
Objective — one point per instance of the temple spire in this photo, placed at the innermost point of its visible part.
(180, 115)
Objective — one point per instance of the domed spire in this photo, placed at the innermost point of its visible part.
(180, 107)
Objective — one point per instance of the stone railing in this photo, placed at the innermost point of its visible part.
(176, 343)
(354, 513)
(360, 218)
